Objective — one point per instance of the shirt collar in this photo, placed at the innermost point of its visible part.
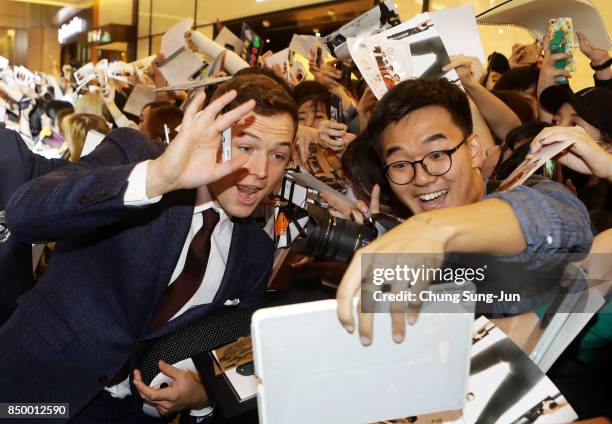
(206, 202)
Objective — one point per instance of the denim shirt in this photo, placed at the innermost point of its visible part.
(554, 222)
(557, 230)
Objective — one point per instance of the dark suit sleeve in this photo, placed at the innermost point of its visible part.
(18, 164)
(82, 196)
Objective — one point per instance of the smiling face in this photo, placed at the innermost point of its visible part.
(267, 141)
(424, 131)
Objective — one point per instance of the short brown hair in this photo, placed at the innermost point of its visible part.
(160, 114)
(75, 128)
(270, 97)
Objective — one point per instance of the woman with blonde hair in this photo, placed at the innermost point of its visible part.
(75, 128)
(92, 103)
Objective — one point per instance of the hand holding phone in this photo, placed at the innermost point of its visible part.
(561, 40)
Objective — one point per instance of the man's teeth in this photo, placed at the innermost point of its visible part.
(432, 196)
(248, 190)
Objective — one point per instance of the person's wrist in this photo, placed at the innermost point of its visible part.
(470, 82)
(428, 227)
(157, 183)
(601, 64)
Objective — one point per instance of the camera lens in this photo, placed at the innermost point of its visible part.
(333, 238)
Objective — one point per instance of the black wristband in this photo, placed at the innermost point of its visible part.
(603, 66)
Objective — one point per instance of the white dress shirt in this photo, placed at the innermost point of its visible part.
(135, 195)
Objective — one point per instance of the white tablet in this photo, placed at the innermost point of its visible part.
(312, 371)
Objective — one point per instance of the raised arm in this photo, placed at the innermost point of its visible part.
(498, 115)
(80, 197)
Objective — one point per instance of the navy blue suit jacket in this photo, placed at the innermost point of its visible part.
(90, 311)
(18, 165)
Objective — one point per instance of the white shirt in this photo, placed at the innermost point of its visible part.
(136, 195)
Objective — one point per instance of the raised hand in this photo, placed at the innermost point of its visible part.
(418, 237)
(305, 137)
(334, 136)
(469, 68)
(191, 159)
(108, 94)
(596, 55)
(190, 44)
(585, 155)
(548, 72)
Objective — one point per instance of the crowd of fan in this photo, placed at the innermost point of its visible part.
(522, 105)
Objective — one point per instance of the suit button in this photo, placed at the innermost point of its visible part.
(103, 379)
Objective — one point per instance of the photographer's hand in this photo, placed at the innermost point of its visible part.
(190, 161)
(358, 211)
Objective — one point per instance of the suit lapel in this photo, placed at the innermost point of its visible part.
(231, 277)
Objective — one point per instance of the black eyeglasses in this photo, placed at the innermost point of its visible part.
(434, 163)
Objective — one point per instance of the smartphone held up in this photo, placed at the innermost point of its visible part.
(562, 40)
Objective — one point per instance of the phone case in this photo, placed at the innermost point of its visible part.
(561, 36)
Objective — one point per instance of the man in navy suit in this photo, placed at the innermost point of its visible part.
(18, 165)
(127, 217)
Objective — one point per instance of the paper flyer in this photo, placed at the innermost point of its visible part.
(529, 166)
(84, 73)
(372, 22)
(174, 39)
(228, 40)
(180, 63)
(389, 63)
(427, 48)
(140, 96)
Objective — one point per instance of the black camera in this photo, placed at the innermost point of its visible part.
(311, 230)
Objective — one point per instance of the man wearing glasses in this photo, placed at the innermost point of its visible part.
(422, 131)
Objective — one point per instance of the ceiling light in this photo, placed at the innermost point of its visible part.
(265, 23)
(267, 40)
(318, 34)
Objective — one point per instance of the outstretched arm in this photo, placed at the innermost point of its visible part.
(544, 218)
